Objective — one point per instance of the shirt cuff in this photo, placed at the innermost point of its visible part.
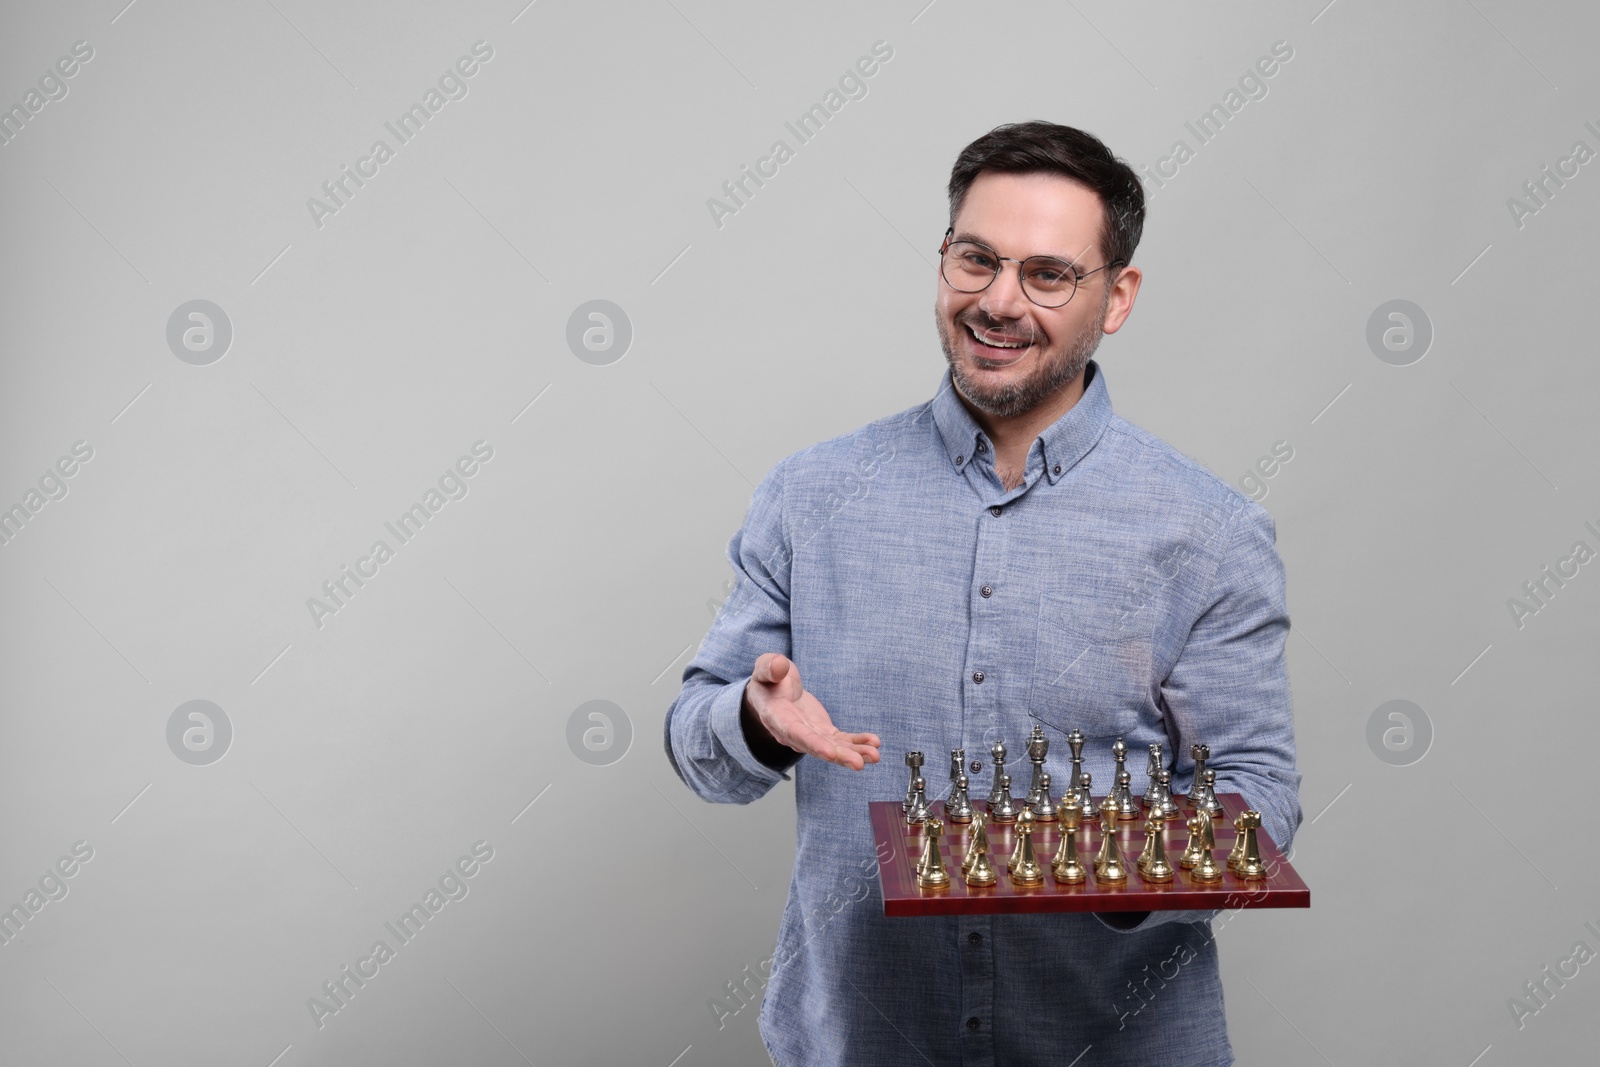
(730, 733)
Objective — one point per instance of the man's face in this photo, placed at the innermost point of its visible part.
(1022, 215)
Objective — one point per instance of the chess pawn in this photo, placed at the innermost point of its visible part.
(1127, 807)
(1119, 752)
(958, 809)
(914, 762)
(1206, 871)
(1200, 753)
(1075, 741)
(1044, 809)
(1005, 810)
(1250, 865)
(1169, 807)
(1110, 868)
(1207, 800)
(1156, 796)
(1016, 841)
(1086, 806)
(1199, 826)
(1026, 871)
(1157, 868)
(1066, 867)
(931, 873)
(977, 845)
(918, 810)
(997, 754)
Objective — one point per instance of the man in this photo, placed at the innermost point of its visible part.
(1010, 553)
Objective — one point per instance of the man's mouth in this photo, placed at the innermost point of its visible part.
(998, 346)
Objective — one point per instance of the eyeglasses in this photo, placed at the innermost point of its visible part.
(969, 267)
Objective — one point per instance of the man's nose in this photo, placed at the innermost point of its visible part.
(1004, 299)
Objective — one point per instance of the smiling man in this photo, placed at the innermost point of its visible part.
(1008, 554)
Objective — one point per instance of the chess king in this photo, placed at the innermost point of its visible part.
(1009, 553)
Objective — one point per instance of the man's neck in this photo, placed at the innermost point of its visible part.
(1013, 435)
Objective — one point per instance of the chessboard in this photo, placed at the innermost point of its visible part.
(900, 847)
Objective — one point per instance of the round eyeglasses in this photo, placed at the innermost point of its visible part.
(970, 267)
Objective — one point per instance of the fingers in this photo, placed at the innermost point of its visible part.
(771, 667)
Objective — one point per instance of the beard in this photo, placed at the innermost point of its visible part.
(1053, 373)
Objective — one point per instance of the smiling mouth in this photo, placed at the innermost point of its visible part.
(1003, 347)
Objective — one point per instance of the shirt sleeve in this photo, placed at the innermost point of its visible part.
(1229, 689)
(704, 738)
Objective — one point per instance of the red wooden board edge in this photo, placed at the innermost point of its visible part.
(897, 879)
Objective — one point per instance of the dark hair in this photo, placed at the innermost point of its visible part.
(1045, 147)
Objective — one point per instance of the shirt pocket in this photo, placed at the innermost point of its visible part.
(1091, 671)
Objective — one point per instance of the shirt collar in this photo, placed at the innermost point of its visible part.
(1063, 442)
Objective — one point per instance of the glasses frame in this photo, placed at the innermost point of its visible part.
(1000, 261)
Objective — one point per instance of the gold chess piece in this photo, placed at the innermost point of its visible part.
(1236, 853)
(1250, 865)
(977, 845)
(1109, 868)
(930, 872)
(1157, 868)
(1066, 867)
(1016, 842)
(1202, 839)
(1027, 871)
(1205, 869)
(1147, 853)
(976, 868)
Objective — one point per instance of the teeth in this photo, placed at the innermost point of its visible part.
(991, 344)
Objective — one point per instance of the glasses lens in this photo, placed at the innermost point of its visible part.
(1048, 282)
(968, 267)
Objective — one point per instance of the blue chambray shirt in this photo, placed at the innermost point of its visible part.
(1121, 589)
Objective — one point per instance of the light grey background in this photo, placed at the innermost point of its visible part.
(585, 561)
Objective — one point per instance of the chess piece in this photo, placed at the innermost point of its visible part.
(930, 871)
(1169, 807)
(1038, 748)
(1026, 871)
(1075, 741)
(918, 810)
(1127, 807)
(1250, 865)
(1086, 807)
(1016, 841)
(1206, 870)
(958, 809)
(1109, 868)
(1205, 799)
(1044, 809)
(1153, 795)
(1200, 753)
(977, 845)
(1236, 853)
(958, 757)
(914, 762)
(1155, 865)
(1201, 839)
(997, 754)
(1005, 810)
(980, 873)
(1066, 867)
(1151, 770)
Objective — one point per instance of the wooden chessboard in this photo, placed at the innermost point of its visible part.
(900, 845)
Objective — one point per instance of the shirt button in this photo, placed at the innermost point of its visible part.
(974, 1023)
(974, 939)
(1057, 468)
(995, 510)
(987, 590)
(982, 447)
(977, 676)
(976, 765)
(959, 460)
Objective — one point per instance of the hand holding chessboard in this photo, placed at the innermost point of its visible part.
(1001, 857)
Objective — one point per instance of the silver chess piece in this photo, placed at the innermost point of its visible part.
(1205, 798)
(1004, 809)
(914, 762)
(917, 811)
(997, 754)
(1200, 753)
(1127, 807)
(1086, 807)
(1044, 809)
(1152, 769)
(1167, 807)
(958, 809)
(958, 757)
(1038, 748)
(1075, 741)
